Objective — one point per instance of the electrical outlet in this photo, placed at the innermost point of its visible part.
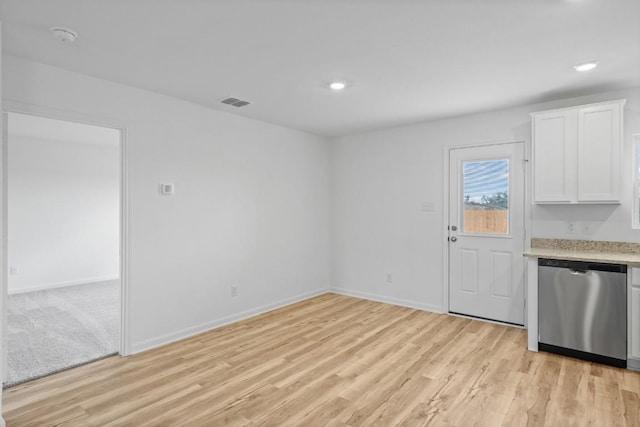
(167, 189)
(587, 228)
(389, 278)
(13, 271)
(234, 290)
(571, 227)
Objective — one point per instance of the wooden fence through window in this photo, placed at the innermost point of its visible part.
(486, 221)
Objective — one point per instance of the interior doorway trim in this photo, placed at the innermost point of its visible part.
(11, 106)
(446, 207)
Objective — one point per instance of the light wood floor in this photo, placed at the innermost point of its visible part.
(336, 361)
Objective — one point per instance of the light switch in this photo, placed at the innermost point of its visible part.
(428, 206)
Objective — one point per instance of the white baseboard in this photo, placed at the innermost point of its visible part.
(85, 281)
(62, 284)
(386, 299)
(204, 327)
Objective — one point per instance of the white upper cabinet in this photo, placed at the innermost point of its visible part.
(576, 154)
(554, 152)
(599, 150)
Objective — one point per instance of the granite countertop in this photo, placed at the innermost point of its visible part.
(585, 250)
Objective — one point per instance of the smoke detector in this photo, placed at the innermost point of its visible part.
(64, 35)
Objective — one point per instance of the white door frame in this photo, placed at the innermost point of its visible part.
(10, 106)
(446, 207)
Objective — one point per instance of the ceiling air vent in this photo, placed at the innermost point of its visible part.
(235, 102)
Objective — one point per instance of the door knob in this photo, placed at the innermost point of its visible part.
(454, 239)
(454, 228)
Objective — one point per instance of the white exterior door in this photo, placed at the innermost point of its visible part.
(486, 232)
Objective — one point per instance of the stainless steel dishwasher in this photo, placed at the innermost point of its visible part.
(582, 310)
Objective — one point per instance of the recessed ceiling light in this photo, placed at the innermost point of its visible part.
(337, 86)
(587, 66)
(64, 35)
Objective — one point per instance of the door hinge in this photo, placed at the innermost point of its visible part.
(524, 164)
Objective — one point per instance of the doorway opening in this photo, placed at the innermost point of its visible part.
(63, 231)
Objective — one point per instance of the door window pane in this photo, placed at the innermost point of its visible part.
(486, 196)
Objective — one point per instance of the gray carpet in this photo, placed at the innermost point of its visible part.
(53, 330)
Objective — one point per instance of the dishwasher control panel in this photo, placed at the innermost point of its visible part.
(582, 265)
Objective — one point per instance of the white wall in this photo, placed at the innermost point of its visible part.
(3, 254)
(380, 179)
(250, 209)
(64, 212)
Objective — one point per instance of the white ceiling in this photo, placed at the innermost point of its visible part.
(405, 60)
(28, 126)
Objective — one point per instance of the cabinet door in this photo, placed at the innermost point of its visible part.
(634, 324)
(599, 148)
(633, 313)
(554, 159)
